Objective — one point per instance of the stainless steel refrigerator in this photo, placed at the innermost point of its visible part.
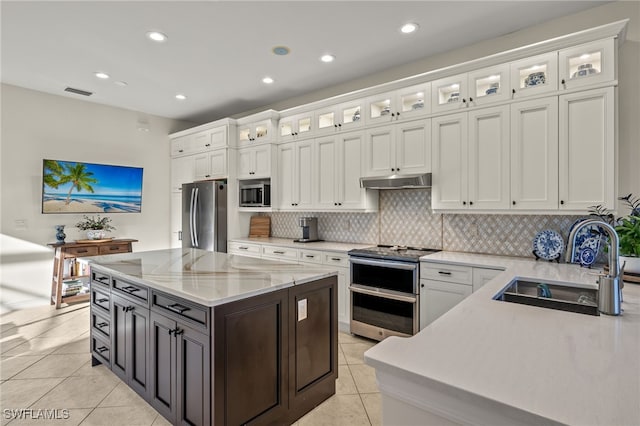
(204, 215)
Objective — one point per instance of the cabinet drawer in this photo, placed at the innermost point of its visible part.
(449, 273)
(89, 250)
(101, 349)
(179, 308)
(114, 248)
(246, 249)
(310, 256)
(100, 300)
(100, 325)
(135, 292)
(101, 279)
(283, 253)
(337, 259)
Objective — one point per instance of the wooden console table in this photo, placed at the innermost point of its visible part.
(65, 266)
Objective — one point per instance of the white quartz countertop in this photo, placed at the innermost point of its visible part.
(566, 367)
(204, 277)
(315, 245)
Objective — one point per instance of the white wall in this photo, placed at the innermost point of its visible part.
(36, 125)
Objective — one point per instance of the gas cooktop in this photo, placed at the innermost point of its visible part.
(400, 253)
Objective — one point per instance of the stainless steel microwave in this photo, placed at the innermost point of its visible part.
(255, 195)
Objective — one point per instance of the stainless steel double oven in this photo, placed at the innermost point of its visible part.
(384, 287)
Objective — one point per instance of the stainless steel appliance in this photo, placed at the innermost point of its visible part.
(204, 215)
(309, 227)
(385, 291)
(255, 194)
(422, 180)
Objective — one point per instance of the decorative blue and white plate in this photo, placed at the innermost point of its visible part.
(548, 245)
(587, 238)
(587, 256)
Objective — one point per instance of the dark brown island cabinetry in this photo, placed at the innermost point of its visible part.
(264, 359)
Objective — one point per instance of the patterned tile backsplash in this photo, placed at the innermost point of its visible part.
(405, 218)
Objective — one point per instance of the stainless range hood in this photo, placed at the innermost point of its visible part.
(397, 182)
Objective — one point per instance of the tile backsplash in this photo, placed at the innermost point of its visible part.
(405, 218)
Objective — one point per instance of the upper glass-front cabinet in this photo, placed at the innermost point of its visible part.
(449, 93)
(255, 132)
(345, 116)
(295, 127)
(587, 64)
(534, 75)
(489, 85)
(405, 103)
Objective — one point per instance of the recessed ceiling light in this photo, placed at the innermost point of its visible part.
(121, 83)
(180, 97)
(156, 36)
(267, 80)
(101, 75)
(327, 58)
(408, 28)
(281, 50)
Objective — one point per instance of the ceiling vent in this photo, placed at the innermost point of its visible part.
(78, 91)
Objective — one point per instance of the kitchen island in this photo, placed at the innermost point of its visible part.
(491, 362)
(211, 338)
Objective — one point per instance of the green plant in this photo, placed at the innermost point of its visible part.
(628, 227)
(95, 223)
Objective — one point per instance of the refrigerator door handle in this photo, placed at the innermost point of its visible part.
(195, 219)
(193, 191)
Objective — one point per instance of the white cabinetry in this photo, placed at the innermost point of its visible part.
(255, 162)
(201, 141)
(211, 165)
(481, 276)
(245, 249)
(471, 160)
(534, 154)
(182, 171)
(402, 148)
(339, 168)
(297, 126)
(296, 169)
(587, 64)
(176, 220)
(258, 128)
(407, 103)
(587, 155)
(341, 117)
(535, 75)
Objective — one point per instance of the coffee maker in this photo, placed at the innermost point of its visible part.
(309, 227)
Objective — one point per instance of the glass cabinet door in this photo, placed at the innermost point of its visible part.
(303, 124)
(535, 75)
(489, 85)
(586, 64)
(325, 121)
(286, 128)
(261, 132)
(380, 108)
(449, 93)
(350, 114)
(414, 101)
(244, 134)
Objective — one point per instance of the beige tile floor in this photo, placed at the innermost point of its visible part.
(45, 364)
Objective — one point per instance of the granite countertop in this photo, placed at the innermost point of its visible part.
(204, 277)
(315, 245)
(566, 367)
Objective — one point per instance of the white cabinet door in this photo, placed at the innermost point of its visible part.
(350, 194)
(202, 165)
(305, 169)
(587, 149)
(587, 64)
(481, 276)
(246, 163)
(344, 298)
(255, 162)
(286, 175)
(449, 93)
(326, 184)
(182, 171)
(218, 164)
(380, 151)
(176, 220)
(489, 158)
(413, 147)
(489, 85)
(534, 154)
(450, 172)
(535, 75)
(295, 175)
(437, 297)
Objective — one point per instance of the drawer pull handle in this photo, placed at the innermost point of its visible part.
(104, 299)
(102, 349)
(83, 251)
(176, 331)
(278, 252)
(444, 273)
(310, 256)
(128, 308)
(336, 259)
(101, 278)
(243, 248)
(102, 324)
(177, 308)
(130, 289)
(114, 248)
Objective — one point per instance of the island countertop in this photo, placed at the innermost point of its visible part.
(204, 277)
(530, 364)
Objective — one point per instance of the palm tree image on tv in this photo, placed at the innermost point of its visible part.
(74, 187)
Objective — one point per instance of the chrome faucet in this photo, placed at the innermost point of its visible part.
(609, 285)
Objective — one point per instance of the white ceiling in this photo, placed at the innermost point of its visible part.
(218, 52)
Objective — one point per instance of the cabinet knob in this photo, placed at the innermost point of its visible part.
(470, 99)
(397, 114)
(207, 176)
(563, 82)
(102, 349)
(393, 170)
(393, 114)
(464, 203)
(398, 169)
(207, 144)
(513, 202)
(335, 204)
(339, 204)
(335, 125)
(561, 201)
(464, 101)
(178, 332)
(513, 91)
(470, 203)
(339, 124)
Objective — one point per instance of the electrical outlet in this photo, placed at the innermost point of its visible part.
(302, 309)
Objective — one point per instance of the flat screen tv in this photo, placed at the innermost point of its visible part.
(75, 187)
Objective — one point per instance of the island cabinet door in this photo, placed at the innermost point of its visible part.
(131, 343)
(251, 358)
(313, 344)
(163, 366)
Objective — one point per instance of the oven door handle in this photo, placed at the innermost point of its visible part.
(382, 293)
(384, 263)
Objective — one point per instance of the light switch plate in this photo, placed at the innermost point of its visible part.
(302, 309)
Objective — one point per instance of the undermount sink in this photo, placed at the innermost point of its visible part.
(551, 296)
